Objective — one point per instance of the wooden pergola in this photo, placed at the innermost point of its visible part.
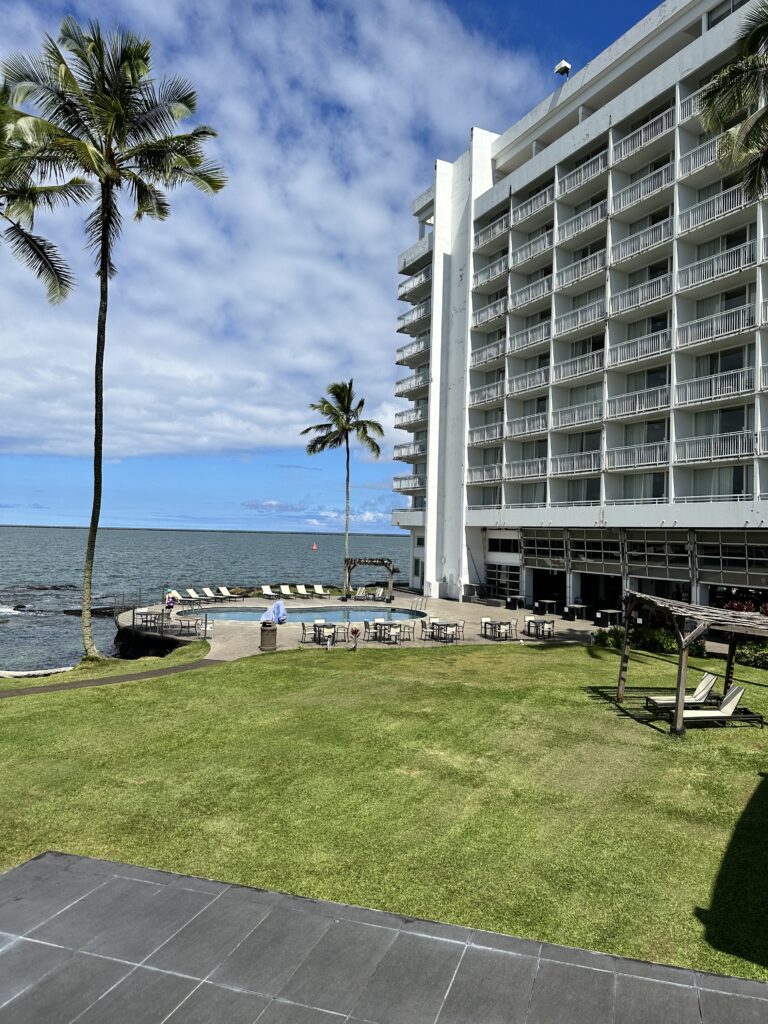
(690, 621)
(385, 563)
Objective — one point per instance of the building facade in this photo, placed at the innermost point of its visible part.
(585, 342)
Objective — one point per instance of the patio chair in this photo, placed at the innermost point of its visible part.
(194, 595)
(320, 591)
(378, 594)
(301, 590)
(485, 626)
(460, 629)
(342, 631)
(722, 713)
(699, 697)
(366, 629)
(503, 632)
(448, 634)
(426, 630)
(361, 594)
(182, 600)
(267, 591)
(407, 630)
(305, 633)
(328, 633)
(285, 590)
(211, 596)
(395, 633)
(224, 591)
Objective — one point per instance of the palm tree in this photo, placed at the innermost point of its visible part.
(343, 420)
(731, 104)
(100, 114)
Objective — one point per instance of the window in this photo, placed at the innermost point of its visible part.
(585, 490)
(722, 10)
(645, 487)
(503, 545)
(502, 580)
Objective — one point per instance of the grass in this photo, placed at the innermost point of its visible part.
(487, 786)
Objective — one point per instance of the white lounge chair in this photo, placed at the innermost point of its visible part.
(267, 591)
(693, 700)
(320, 591)
(721, 713)
(211, 596)
(379, 594)
(182, 600)
(361, 594)
(194, 596)
(301, 590)
(225, 593)
(285, 590)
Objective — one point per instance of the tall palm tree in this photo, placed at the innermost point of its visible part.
(343, 420)
(98, 112)
(731, 104)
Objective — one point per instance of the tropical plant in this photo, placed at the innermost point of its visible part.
(98, 112)
(732, 106)
(343, 420)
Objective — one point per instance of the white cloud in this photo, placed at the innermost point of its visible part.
(229, 318)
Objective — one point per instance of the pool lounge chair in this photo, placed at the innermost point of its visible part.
(267, 591)
(182, 600)
(722, 713)
(211, 596)
(224, 591)
(301, 590)
(285, 590)
(698, 698)
(361, 594)
(194, 596)
(378, 594)
(320, 591)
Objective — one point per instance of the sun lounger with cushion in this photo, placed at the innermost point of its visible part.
(267, 591)
(699, 697)
(722, 713)
(285, 590)
(225, 593)
(320, 591)
(301, 590)
(211, 596)
(361, 594)
(194, 596)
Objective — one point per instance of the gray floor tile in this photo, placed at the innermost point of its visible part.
(266, 959)
(739, 986)
(566, 994)
(198, 884)
(411, 981)
(580, 957)
(506, 943)
(721, 1008)
(6, 940)
(436, 930)
(143, 997)
(210, 1004)
(206, 942)
(344, 912)
(27, 963)
(490, 987)
(660, 972)
(65, 992)
(639, 1000)
(289, 1013)
(339, 967)
(28, 899)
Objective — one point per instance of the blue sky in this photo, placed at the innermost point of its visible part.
(230, 317)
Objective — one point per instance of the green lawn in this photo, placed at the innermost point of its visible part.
(486, 786)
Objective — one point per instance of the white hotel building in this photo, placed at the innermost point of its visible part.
(586, 342)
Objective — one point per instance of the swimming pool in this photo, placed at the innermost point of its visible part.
(352, 613)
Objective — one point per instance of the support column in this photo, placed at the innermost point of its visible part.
(629, 620)
(729, 665)
(682, 674)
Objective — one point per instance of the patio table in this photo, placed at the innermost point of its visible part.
(548, 607)
(579, 610)
(445, 632)
(608, 616)
(539, 628)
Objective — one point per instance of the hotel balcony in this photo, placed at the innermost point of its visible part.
(700, 158)
(650, 346)
(413, 350)
(531, 337)
(415, 384)
(642, 137)
(489, 317)
(712, 210)
(636, 246)
(717, 448)
(579, 318)
(590, 220)
(409, 517)
(691, 105)
(581, 176)
(489, 394)
(417, 255)
(409, 452)
(536, 249)
(411, 419)
(580, 271)
(415, 320)
(577, 415)
(492, 237)
(720, 386)
(638, 403)
(644, 189)
(763, 442)
(638, 456)
(538, 204)
(490, 433)
(582, 366)
(649, 293)
(409, 484)
(532, 381)
(764, 378)
(579, 462)
(526, 470)
(724, 264)
(417, 286)
(484, 474)
(714, 328)
(530, 294)
(493, 353)
(526, 426)
(487, 279)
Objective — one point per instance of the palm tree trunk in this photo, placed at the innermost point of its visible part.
(91, 650)
(346, 513)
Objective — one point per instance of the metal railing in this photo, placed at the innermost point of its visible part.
(692, 104)
(687, 498)
(412, 316)
(522, 425)
(533, 248)
(493, 270)
(489, 432)
(637, 455)
(490, 312)
(715, 447)
(579, 462)
(704, 155)
(525, 469)
(533, 205)
(496, 228)
(764, 311)
(582, 221)
(531, 336)
(413, 348)
(410, 283)
(641, 242)
(641, 294)
(642, 136)
(488, 353)
(581, 269)
(407, 417)
(763, 442)
(484, 474)
(412, 482)
(576, 415)
(720, 265)
(410, 451)
(710, 328)
(721, 385)
(487, 393)
(415, 382)
(578, 367)
(764, 378)
(584, 173)
(580, 317)
(528, 381)
(640, 348)
(721, 205)
(530, 292)
(637, 403)
(643, 187)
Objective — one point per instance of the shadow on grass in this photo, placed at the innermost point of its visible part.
(633, 705)
(737, 920)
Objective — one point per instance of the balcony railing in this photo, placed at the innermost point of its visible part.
(411, 482)
(489, 353)
(486, 235)
(704, 155)
(643, 135)
(535, 424)
(531, 336)
(583, 174)
(637, 456)
(582, 221)
(637, 403)
(490, 312)
(531, 292)
(721, 205)
(492, 271)
(412, 316)
(724, 263)
(484, 474)
(579, 462)
(576, 415)
(580, 317)
(643, 187)
(641, 242)
(413, 348)
(411, 283)
(764, 378)
(711, 448)
(582, 268)
(692, 104)
(533, 248)
(533, 205)
(486, 434)
(410, 451)
(415, 382)
(721, 325)
(641, 294)
(487, 393)
(408, 417)
(528, 381)
(640, 348)
(525, 470)
(578, 367)
(763, 439)
(721, 385)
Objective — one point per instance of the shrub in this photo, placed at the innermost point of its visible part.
(655, 641)
(753, 654)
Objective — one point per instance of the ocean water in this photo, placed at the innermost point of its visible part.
(41, 570)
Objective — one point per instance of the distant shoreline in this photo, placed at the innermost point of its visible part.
(188, 529)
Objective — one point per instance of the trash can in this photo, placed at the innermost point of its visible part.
(268, 637)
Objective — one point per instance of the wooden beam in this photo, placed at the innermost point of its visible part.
(678, 726)
(624, 663)
(730, 663)
(694, 634)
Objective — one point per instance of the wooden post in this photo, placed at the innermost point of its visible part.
(729, 665)
(624, 664)
(389, 587)
(678, 726)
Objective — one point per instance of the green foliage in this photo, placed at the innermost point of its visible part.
(754, 654)
(654, 640)
(343, 420)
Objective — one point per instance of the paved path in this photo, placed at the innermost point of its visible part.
(130, 677)
(106, 943)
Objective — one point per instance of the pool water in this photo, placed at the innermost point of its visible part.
(352, 613)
